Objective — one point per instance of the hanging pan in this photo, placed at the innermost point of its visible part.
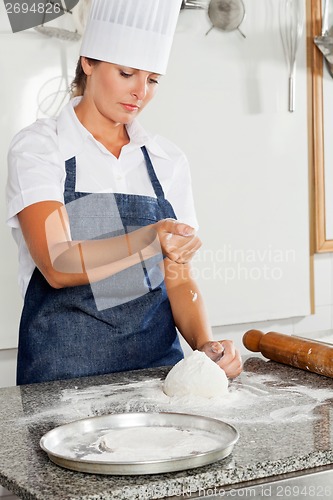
(325, 41)
(226, 15)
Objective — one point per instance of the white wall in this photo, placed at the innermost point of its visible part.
(224, 102)
(7, 367)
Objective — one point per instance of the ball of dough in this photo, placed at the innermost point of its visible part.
(196, 375)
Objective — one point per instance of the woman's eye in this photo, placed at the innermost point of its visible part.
(125, 75)
(152, 80)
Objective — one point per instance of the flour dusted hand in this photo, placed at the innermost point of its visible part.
(196, 375)
(225, 354)
(179, 241)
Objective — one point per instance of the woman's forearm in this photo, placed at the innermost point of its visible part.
(193, 326)
(64, 262)
(187, 305)
(111, 253)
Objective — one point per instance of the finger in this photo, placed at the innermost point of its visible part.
(217, 348)
(213, 349)
(176, 242)
(184, 259)
(231, 362)
(187, 254)
(229, 349)
(233, 369)
(186, 245)
(178, 228)
(184, 253)
(228, 354)
(184, 229)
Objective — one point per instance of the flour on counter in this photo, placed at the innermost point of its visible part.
(287, 401)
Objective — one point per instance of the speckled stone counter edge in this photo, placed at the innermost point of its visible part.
(167, 486)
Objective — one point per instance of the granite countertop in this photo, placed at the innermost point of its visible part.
(284, 417)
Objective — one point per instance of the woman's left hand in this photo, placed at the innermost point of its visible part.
(225, 354)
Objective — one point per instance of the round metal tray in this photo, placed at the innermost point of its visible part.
(70, 445)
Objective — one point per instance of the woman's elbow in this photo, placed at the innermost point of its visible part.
(54, 278)
(54, 281)
(62, 273)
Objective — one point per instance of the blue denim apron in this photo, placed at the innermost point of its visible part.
(81, 331)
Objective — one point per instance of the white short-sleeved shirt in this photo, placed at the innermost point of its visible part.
(36, 164)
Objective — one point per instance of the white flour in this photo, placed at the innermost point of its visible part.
(150, 443)
(278, 401)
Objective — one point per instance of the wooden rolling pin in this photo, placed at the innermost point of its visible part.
(306, 354)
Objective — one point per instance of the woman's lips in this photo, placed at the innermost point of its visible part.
(130, 107)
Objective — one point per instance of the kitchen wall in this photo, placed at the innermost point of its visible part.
(224, 101)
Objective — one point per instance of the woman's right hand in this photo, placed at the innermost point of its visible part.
(178, 241)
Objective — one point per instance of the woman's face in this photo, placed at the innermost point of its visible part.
(118, 93)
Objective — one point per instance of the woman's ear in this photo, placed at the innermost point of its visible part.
(87, 65)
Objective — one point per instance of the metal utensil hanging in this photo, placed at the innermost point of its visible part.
(193, 4)
(325, 41)
(52, 31)
(291, 18)
(226, 15)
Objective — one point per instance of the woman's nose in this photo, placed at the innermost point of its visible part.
(140, 89)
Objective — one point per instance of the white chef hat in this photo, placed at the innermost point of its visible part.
(133, 33)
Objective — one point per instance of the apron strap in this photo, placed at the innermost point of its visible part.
(70, 181)
(152, 175)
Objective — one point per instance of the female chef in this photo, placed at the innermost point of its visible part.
(93, 201)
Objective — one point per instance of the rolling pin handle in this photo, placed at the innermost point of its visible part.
(252, 339)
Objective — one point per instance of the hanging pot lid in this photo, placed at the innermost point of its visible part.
(226, 15)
